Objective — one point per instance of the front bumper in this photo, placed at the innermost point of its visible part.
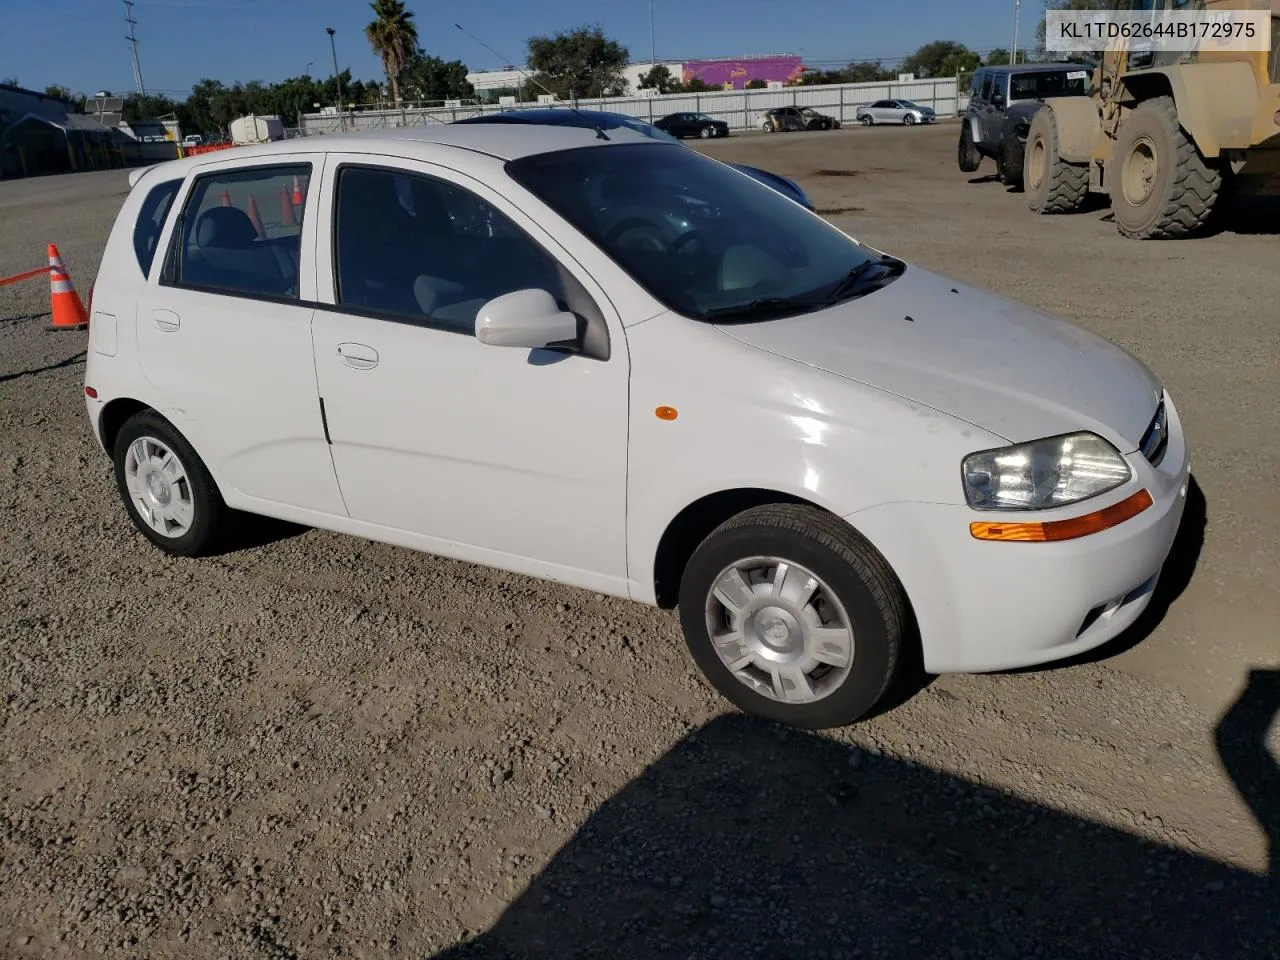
(984, 606)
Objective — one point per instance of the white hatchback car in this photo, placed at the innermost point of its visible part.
(596, 358)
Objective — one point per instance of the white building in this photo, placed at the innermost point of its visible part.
(488, 80)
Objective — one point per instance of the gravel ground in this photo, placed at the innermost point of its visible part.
(317, 746)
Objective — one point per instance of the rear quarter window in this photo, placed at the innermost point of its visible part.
(150, 224)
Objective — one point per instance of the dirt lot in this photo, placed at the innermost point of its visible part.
(317, 746)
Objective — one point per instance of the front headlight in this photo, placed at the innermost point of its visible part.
(1043, 473)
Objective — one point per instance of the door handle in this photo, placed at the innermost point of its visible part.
(166, 320)
(358, 355)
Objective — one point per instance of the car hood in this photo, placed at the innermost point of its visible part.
(1005, 367)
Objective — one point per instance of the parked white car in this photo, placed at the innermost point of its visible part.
(603, 359)
(894, 111)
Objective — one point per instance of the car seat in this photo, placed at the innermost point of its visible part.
(223, 251)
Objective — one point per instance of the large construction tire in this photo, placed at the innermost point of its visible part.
(1161, 187)
(1052, 184)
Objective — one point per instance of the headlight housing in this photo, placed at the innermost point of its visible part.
(1043, 474)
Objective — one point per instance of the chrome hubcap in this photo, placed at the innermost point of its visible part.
(780, 630)
(158, 487)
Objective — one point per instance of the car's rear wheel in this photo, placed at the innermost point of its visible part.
(768, 126)
(792, 616)
(167, 490)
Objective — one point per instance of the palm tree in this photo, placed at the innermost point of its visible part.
(394, 38)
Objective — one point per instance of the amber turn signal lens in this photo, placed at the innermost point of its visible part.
(666, 413)
(1052, 530)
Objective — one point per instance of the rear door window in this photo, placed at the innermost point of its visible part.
(241, 232)
(151, 218)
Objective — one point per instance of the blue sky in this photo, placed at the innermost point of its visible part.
(81, 43)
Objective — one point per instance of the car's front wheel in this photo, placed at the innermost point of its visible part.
(967, 157)
(866, 120)
(167, 490)
(909, 119)
(768, 126)
(793, 616)
(705, 133)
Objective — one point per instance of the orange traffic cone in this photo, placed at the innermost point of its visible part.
(254, 218)
(286, 208)
(297, 193)
(68, 312)
(226, 199)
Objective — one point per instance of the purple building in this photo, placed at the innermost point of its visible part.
(738, 73)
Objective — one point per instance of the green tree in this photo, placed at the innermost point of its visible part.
(866, 71)
(139, 108)
(430, 78)
(1041, 53)
(998, 57)
(660, 78)
(942, 58)
(697, 85)
(757, 84)
(394, 38)
(579, 63)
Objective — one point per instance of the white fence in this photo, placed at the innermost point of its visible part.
(741, 109)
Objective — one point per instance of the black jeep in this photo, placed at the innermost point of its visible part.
(1002, 101)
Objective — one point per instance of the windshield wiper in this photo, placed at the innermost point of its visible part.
(760, 309)
(850, 284)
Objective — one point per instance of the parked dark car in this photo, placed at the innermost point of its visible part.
(682, 125)
(1002, 101)
(604, 120)
(796, 118)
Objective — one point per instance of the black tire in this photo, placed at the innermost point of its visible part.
(967, 157)
(1010, 175)
(1053, 185)
(857, 575)
(211, 515)
(705, 133)
(867, 120)
(768, 126)
(1184, 186)
(908, 120)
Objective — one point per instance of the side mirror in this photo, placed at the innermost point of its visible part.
(530, 319)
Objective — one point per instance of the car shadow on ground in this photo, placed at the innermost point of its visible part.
(750, 840)
(48, 368)
(251, 532)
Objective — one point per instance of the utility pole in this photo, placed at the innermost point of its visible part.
(133, 42)
(1013, 52)
(653, 39)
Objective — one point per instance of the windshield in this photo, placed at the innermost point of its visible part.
(1038, 86)
(703, 239)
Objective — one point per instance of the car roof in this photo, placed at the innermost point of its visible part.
(1037, 67)
(502, 141)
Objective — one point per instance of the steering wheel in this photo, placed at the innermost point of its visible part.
(648, 233)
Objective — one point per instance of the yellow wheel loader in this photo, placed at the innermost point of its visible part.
(1162, 132)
